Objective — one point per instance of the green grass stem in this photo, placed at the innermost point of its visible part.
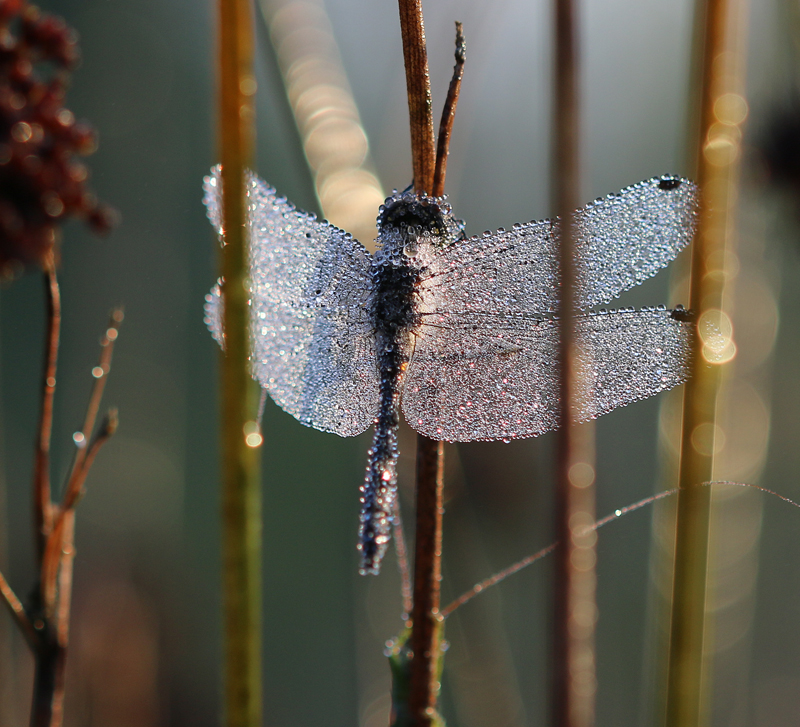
(241, 488)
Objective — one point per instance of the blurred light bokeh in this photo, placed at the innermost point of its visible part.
(146, 623)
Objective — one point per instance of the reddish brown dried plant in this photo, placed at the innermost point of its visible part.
(42, 181)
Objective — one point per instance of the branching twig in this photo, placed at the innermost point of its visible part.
(87, 445)
(56, 548)
(449, 113)
(48, 634)
(53, 554)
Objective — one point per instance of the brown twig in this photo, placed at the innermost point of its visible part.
(18, 612)
(84, 457)
(57, 547)
(43, 515)
(425, 640)
(86, 445)
(415, 56)
(573, 655)
(449, 113)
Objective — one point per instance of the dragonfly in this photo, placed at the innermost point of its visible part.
(459, 331)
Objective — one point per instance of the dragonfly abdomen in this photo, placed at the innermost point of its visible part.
(380, 483)
(393, 313)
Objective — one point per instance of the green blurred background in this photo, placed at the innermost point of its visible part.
(146, 621)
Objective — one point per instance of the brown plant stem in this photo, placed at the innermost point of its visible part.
(425, 639)
(241, 482)
(719, 150)
(415, 56)
(41, 473)
(573, 655)
(449, 113)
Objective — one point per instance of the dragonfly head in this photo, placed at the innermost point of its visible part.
(413, 217)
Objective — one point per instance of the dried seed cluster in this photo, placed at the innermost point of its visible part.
(42, 182)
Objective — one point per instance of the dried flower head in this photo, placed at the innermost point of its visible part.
(42, 181)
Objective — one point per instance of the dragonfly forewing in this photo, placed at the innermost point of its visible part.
(621, 240)
(313, 343)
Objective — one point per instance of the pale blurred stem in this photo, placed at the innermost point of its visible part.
(573, 656)
(402, 560)
(241, 487)
(687, 681)
(426, 623)
(43, 516)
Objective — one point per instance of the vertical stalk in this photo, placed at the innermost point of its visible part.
(425, 639)
(41, 473)
(426, 631)
(418, 83)
(719, 151)
(241, 495)
(575, 610)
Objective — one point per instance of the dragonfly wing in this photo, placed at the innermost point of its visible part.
(627, 237)
(313, 345)
(622, 240)
(499, 380)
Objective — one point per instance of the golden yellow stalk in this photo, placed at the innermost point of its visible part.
(719, 150)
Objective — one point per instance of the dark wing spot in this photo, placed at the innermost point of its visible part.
(669, 183)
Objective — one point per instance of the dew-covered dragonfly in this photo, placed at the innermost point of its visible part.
(461, 331)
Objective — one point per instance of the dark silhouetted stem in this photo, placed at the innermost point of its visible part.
(575, 610)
